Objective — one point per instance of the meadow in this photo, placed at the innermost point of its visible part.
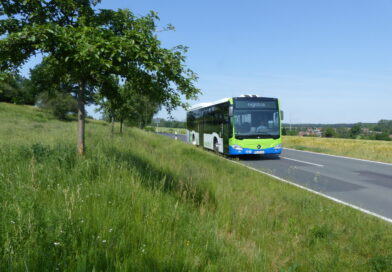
(142, 202)
(362, 149)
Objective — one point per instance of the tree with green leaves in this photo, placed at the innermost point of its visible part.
(86, 46)
(131, 104)
(60, 104)
(384, 126)
(329, 132)
(16, 89)
(355, 130)
(55, 92)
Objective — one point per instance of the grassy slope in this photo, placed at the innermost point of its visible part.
(144, 202)
(361, 149)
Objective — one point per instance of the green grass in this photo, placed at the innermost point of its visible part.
(143, 202)
(361, 149)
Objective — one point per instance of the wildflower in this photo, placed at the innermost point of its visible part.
(12, 222)
(143, 248)
(103, 241)
(110, 230)
(56, 243)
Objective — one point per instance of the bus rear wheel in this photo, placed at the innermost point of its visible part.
(216, 145)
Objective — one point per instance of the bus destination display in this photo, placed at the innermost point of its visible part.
(255, 104)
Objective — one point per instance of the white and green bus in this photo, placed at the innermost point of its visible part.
(237, 126)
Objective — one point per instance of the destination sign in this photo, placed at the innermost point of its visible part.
(270, 105)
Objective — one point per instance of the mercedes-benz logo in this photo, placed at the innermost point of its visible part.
(259, 146)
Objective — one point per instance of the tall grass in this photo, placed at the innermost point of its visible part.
(142, 202)
(361, 149)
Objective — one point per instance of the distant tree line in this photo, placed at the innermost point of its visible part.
(368, 131)
(168, 123)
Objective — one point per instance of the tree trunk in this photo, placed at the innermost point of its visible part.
(81, 119)
(112, 125)
(121, 125)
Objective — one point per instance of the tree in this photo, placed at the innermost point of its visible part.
(59, 103)
(130, 104)
(16, 89)
(355, 130)
(382, 136)
(384, 126)
(56, 93)
(329, 132)
(343, 132)
(86, 46)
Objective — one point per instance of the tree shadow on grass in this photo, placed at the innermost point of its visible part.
(152, 177)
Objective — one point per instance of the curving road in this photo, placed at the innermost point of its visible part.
(364, 185)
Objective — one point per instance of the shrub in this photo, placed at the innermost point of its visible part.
(60, 104)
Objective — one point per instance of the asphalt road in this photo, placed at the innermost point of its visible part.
(364, 184)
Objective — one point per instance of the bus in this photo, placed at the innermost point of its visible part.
(243, 125)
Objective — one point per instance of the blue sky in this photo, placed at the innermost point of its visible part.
(327, 61)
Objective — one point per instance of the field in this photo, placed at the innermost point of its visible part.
(143, 202)
(361, 149)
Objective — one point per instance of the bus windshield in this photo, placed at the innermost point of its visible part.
(254, 123)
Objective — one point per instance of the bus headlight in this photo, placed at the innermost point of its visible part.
(279, 146)
(237, 147)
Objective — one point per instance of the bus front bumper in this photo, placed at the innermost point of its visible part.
(246, 151)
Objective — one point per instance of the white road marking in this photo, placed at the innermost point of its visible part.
(315, 164)
(389, 220)
(337, 156)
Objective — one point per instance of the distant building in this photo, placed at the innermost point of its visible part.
(315, 132)
(366, 131)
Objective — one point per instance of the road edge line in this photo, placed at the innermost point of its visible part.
(389, 220)
(310, 163)
(386, 219)
(338, 156)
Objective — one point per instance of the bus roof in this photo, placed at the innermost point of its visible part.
(207, 104)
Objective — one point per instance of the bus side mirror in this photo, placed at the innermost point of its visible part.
(281, 115)
(231, 110)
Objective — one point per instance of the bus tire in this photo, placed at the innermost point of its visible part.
(216, 146)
